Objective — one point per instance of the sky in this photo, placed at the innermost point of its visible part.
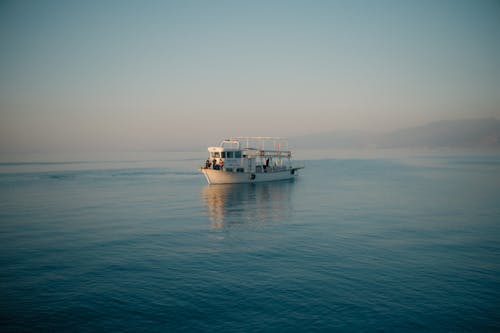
(159, 75)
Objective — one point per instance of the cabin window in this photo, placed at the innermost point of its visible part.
(215, 154)
(237, 154)
(223, 154)
(229, 154)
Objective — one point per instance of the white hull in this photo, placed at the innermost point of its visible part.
(223, 177)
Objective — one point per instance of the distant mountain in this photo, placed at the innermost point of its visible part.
(468, 133)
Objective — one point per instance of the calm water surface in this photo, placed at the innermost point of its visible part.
(140, 243)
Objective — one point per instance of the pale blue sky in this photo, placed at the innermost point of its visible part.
(141, 75)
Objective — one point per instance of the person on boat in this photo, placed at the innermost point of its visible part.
(207, 164)
(214, 163)
(221, 163)
(266, 165)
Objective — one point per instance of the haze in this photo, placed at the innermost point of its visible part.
(159, 75)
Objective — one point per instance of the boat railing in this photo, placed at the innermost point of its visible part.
(230, 143)
(268, 153)
(262, 142)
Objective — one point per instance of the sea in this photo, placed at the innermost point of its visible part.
(370, 241)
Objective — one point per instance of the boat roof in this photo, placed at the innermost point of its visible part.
(256, 142)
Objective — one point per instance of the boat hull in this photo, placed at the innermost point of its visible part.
(223, 177)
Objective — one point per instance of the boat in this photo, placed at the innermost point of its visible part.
(249, 160)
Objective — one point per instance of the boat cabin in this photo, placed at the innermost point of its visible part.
(227, 156)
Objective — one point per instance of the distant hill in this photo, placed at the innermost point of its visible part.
(467, 133)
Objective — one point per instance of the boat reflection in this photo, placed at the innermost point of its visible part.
(233, 204)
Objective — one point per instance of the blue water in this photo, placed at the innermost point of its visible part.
(353, 244)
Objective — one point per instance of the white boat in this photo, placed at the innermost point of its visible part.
(249, 160)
